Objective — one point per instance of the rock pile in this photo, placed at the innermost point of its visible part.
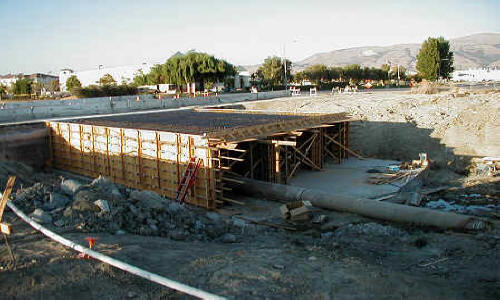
(103, 206)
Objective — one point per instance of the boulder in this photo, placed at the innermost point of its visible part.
(41, 216)
(178, 235)
(148, 199)
(70, 187)
(83, 205)
(103, 205)
(228, 238)
(105, 186)
(56, 200)
(174, 207)
(87, 195)
(213, 216)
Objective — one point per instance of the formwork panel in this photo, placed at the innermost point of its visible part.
(137, 158)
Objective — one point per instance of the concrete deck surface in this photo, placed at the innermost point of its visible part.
(350, 178)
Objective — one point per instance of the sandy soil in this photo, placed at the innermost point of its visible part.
(347, 257)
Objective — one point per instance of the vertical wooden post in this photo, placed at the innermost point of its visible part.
(139, 157)
(158, 150)
(277, 166)
(124, 170)
(250, 148)
(108, 169)
(346, 124)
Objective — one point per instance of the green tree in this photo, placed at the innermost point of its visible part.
(140, 79)
(36, 87)
(446, 58)
(3, 90)
(435, 59)
(272, 71)
(73, 83)
(188, 68)
(107, 79)
(317, 73)
(22, 86)
(54, 86)
(354, 73)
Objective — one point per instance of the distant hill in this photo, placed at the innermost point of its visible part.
(471, 51)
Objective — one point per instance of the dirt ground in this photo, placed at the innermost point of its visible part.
(345, 257)
(453, 127)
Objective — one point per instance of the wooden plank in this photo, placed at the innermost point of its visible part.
(278, 142)
(5, 228)
(6, 194)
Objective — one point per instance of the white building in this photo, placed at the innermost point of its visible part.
(485, 74)
(120, 74)
(44, 79)
(8, 79)
(242, 80)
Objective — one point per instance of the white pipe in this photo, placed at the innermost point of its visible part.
(114, 262)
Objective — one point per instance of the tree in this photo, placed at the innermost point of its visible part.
(140, 79)
(317, 73)
(3, 90)
(22, 86)
(36, 88)
(73, 83)
(435, 59)
(54, 86)
(354, 73)
(272, 71)
(188, 68)
(107, 79)
(446, 58)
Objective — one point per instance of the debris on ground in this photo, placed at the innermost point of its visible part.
(296, 211)
(103, 206)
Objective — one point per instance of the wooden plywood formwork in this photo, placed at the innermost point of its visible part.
(267, 147)
(141, 159)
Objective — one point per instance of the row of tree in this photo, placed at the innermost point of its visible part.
(433, 61)
(319, 73)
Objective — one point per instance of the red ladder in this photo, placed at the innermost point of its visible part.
(188, 179)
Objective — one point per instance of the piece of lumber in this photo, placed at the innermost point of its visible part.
(279, 143)
(6, 194)
(231, 200)
(266, 224)
(5, 228)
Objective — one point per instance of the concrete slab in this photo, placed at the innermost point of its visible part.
(349, 178)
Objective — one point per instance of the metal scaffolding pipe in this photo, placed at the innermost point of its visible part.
(365, 207)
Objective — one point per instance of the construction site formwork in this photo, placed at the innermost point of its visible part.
(152, 151)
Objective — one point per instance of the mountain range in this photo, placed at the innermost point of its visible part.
(472, 51)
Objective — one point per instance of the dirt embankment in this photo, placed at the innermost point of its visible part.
(398, 125)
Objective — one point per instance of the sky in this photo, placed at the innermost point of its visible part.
(46, 36)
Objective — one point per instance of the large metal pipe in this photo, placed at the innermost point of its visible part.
(365, 207)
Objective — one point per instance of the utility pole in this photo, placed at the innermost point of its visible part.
(399, 79)
(284, 63)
